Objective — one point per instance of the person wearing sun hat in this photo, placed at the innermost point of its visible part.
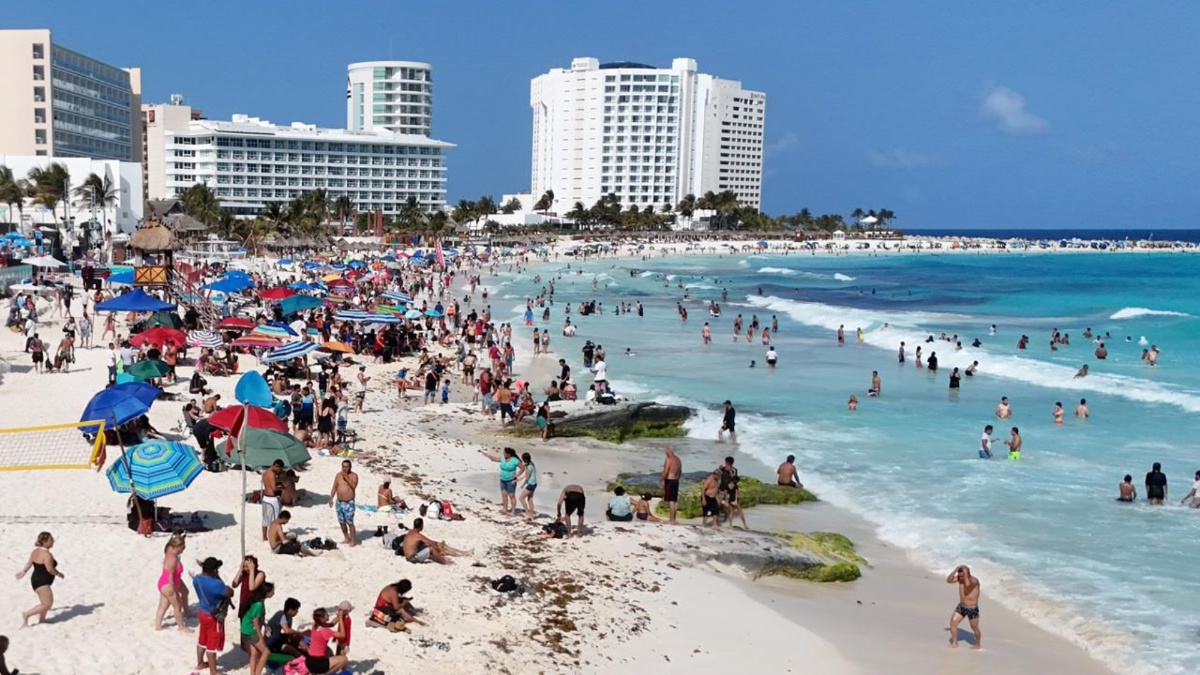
(343, 609)
(209, 592)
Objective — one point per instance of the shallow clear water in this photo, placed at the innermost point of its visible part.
(1044, 533)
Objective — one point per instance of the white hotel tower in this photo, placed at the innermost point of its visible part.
(395, 96)
(649, 135)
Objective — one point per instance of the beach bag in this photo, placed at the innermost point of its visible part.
(145, 526)
(295, 667)
(222, 609)
(505, 584)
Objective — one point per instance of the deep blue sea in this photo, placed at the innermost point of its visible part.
(1044, 533)
(1059, 234)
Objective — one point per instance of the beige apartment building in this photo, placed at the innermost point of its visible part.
(57, 102)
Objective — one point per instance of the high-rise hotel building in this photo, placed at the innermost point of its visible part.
(648, 135)
(55, 102)
(395, 96)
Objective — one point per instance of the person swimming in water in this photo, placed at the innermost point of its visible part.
(1082, 372)
(1126, 490)
(1058, 412)
(1014, 445)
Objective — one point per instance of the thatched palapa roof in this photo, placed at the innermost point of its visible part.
(153, 236)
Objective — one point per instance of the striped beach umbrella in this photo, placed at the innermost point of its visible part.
(398, 297)
(276, 332)
(352, 315)
(204, 338)
(290, 351)
(157, 469)
(384, 318)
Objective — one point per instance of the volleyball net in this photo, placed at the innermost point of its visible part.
(77, 445)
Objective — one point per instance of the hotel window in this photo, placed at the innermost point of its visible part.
(39, 94)
(39, 51)
(39, 73)
(39, 115)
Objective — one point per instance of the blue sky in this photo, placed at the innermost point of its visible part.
(952, 114)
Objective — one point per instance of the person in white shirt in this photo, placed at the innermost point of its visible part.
(110, 360)
(600, 370)
(772, 356)
(985, 443)
(1193, 494)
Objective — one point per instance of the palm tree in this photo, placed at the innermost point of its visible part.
(98, 191)
(885, 216)
(545, 202)
(465, 212)
(226, 224)
(411, 215)
(274, 214)
(49, 185)
(511, 206)
(580, 215)
(486, 206)
(201, 203)
(12, 191)
(343, 207)
(316, 202)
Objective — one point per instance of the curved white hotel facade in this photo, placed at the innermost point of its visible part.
(649, 135)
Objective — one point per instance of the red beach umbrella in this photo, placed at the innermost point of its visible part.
(230, 419)
(236, 323)
(275, 294)
(160, 336)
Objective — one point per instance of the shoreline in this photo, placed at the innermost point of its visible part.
(626, 594)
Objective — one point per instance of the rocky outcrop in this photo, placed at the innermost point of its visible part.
(616, 423)
(751, 492)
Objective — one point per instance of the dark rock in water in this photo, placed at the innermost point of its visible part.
(617, 423)
(647, 483)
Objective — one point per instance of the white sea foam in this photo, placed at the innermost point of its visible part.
(1135, 312)
(913, 328)
(843, 277)
(647, 273)
(782, 271)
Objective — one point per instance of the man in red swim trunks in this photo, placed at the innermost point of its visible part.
(672, 469)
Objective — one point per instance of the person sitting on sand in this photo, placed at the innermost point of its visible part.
(392, 605)
(788, 476)
(642, 511)
(525, 409)
(418, 548)
(620, 509)
(286, 543)
(386, 500)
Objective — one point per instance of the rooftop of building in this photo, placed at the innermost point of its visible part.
(254, 126)
(612, 65)
(390, 64)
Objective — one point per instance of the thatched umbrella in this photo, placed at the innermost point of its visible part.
(154, 237)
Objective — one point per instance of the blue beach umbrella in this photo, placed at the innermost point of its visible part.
(412, 314)
(136, 300)
(285, 261)
(384, 318)
(433, 313)
(290, 351)
(351, 315)
(118, 405)
(228, 285)
(398, 297)
(157, 469)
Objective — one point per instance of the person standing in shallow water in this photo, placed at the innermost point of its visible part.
(1156, 485)
(968, 605)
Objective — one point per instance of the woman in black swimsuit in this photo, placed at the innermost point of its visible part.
(45, 570)
(325, 421)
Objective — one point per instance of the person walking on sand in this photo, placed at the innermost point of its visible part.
(45, 571)
(360, 388)
(344, 485)
(968, 605)
(510, 467)
(529, 474)
(575, 500)
(729, 483)
(669, 481)
(172, 592)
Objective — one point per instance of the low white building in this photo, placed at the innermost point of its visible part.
(250, 162)
(121, 211)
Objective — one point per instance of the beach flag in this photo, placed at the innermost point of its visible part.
(437, 247)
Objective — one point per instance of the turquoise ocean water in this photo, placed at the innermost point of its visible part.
(1044, 533)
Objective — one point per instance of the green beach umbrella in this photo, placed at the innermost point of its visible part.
(168, 319)
(148, 369)
(299, 303)
(264, 446)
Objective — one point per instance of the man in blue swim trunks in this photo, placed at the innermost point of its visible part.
(342, 496)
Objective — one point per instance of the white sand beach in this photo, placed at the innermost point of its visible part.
(628, 595)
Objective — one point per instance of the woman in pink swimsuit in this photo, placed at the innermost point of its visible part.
(172, 592)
